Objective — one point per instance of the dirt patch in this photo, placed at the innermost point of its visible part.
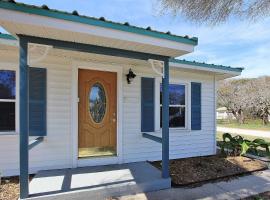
(190, 171)
(262, 196)
(9, 188)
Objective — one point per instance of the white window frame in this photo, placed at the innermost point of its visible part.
(16, 100)
(187, 104)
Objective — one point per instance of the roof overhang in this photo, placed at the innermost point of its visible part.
(25, 20)
(221, 72)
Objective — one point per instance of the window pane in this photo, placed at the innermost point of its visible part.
(176, 94)
(176, 118)
(7, 84)
(7, 116)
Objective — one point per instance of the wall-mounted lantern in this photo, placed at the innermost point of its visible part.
(130, 76)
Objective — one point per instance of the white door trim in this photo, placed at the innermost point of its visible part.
(76, 65)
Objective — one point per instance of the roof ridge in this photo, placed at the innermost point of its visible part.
(192, 40)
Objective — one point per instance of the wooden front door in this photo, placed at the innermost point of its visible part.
(97, 113)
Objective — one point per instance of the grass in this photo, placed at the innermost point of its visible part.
(249, 124)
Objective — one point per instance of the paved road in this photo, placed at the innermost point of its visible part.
(265, 134)
(230, 190)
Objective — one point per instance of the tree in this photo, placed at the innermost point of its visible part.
(231, 95)
(214, 12)
(246, 98)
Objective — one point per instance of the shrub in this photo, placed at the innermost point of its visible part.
(237, 145)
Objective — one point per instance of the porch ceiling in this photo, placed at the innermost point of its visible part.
(60, 56)
(17, 22)
(65, 57)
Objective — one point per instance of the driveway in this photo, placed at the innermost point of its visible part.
(256, 133)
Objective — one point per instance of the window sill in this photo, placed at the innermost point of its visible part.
(8, 133)
(176, 129)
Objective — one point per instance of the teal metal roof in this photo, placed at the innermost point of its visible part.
(101, 22)
(209, 66)
(7, 36)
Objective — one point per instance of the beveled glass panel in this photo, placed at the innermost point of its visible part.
(97, 102)
(7, 84)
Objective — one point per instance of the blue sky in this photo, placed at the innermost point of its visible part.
(234, 43)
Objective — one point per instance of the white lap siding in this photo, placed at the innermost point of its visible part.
(183, 143)
(55, 151)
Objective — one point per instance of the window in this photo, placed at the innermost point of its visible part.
(7, 100)
(177, 106)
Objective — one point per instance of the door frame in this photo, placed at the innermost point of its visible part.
(76, 162)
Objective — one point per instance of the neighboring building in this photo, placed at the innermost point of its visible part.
(79, 97)
(223, 113)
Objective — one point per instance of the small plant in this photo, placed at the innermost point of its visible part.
(237, 145)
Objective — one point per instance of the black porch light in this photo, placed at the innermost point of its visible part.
(130, 76)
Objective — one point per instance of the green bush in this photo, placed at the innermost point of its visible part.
(237, 145)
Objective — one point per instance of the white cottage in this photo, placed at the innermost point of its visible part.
(79, 91)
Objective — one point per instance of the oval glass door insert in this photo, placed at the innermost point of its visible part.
(97, 102)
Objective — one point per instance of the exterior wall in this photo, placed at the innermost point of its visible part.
(57, 150)
(183, 143)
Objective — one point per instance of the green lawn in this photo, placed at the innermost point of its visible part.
(249, 124)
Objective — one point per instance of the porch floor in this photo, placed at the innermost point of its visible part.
(97, 182)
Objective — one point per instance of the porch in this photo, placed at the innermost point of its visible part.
(98, 182)
(57, 31)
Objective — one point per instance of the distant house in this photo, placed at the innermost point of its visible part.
(223, 113)
(91, 92)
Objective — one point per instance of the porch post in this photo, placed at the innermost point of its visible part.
(23, 70)
(165, 120)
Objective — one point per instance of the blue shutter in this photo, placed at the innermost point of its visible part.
(196, 106)
(37, 101)
(147, 104)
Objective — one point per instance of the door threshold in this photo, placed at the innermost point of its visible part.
(96, 161)
(97, 157)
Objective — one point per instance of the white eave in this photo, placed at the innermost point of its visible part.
(221, 72)
(17, 22)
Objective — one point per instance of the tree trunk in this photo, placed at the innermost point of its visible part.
(241, 117)
(264, 116)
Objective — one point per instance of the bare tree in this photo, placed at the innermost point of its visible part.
(231, 95)
(262, 98)
(216, 11)
(246, 98)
